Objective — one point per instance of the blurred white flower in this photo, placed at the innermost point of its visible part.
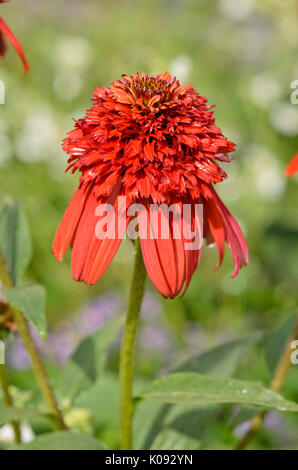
(38, 138)
(5, 148)
(236, 9)
(264, 89)
(73, 52)
(294, 93)
(255, 40)
(67, 85)
(265, 171)
(7, 433)
(75, 114)
(57, 164)
(228, 190)
(181, 67)
(284, 118)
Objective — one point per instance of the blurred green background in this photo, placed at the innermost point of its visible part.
(241, 55)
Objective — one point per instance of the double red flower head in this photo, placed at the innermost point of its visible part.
(155, 142)
(7, 34)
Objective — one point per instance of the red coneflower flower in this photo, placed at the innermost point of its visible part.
(154, 142)
(292, 167)
(6, 33)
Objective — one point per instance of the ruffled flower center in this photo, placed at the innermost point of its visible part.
(157, 135)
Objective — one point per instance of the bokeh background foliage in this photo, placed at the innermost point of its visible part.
(242, 55)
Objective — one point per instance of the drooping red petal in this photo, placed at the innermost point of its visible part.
(92, 255)
(193, 256)
(84, 235)
(233, 235)
(151, 256)
(179, 253)
(292, 167)
(216, 227)
(164, 258)
(6, 31)
(69, 222)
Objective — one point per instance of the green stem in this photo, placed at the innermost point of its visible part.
(8, 401)
(126, 358)
(39, 370)
(38, 367)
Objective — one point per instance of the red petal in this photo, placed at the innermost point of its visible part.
(216, 227)
(292, 167)
(164, 258)
(192, 257)
(151, 258)
(180, 257)
(6, 31)
(84, 235)
(91, 256)
(69, 222)
(233, 235)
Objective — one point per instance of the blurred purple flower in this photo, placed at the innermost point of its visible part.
(242, 429)
(151, 308)
(62, 341)
(154, 339)
(16, 354)
(153, 335)
(195, 338)
(285, 433)
(98, 313)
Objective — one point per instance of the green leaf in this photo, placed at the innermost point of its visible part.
(220, 361)
(87, 363)
(63, 440)
(277, 342)
(91, 353)
(195, 388)
(187, 420)
(15, 243)
(174, 440)
(31, 301)
(274, 349)
(102, 399)
(148, 421)
(242, 414)
(9, 413)
(68, 380)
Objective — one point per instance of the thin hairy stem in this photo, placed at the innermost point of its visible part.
(38, 367)
(127, 349)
